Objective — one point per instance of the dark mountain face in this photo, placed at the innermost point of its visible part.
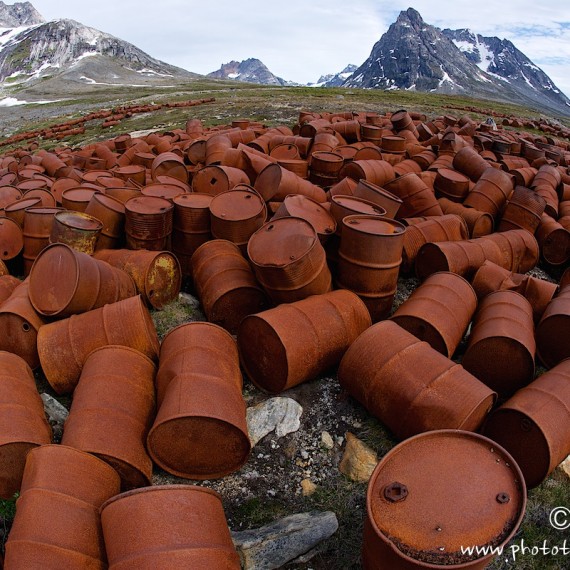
(416, 56)
(250, 70)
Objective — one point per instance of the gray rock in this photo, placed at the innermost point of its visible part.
(280, 542)
(190, 300)
(282, 415)
(56, 413)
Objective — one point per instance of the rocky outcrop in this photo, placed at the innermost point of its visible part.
(250, 70)
(19, 14)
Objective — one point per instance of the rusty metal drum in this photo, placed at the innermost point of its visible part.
(417, 198)
(451, 184)
(379, 196)
(57, 524)
(37, 229)
(479, 223)
(439, 311)
(435, 494)
(296, 342)
(553, 329)
(225, 284)
(469, 162)
(17, 210)
(378, 172)
(112, 410)
(534, 425)
(7, 285)
(342, 206)
(76, 229)
(148, 222)
(491, 192)
(501, 346)
(65, 282)
(275, 183)
(199, 392)
(111, 213)
(23, 424)
(77, 199)
(289, 260)
(523, 211)
(169, 526)
(217, 179)
(394, 376)
(63, 346)
(370, 256)
(157, 274)
(11, 239)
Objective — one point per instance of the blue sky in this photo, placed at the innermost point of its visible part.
(300, 40)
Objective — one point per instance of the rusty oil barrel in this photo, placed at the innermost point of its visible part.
(370, 256)
(7, 285)
(76, 199)
(439, 311)
(236, 215)
(501, 346)
(64, 282)
(289, 260)
(19, 326)
(479, 223)
(409, 386)
(554, 241)
(169, 164)
(295, 342)
(451, 184)
(111, 213)
(378, 172)
(275, 183)
(379, 196)
(491, 192)
(448, 227)
(76, 229)
(200, 431)
(342, 206)
(156, 274)
(534, 425)
(17, 210)
(523, 211)
(191, 226)
(316, 214)
(37, 229)
(23, 424)
(11, 239)
(217, 179)
(148, 223)
(112, 410)
(469, 162)
(143, 529)
(436, 493)
(63, 346)
(160, 190)
(417, 198)
(57, 524)
(552, 330)
(225, 284)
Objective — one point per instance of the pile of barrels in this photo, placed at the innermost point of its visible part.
(294, 240)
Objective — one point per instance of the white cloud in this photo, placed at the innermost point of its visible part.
(301, 40)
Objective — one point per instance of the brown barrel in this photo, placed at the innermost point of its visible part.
(296, 342)
(17, 210)
(112, 410)
(156, 274)
(215, 148)
(344, 187)
(479, 223)
(501, 345)
(402, 121)
(19, 326)
(449, 227)
(169, 526)
(11, 239)
(63, 346)
(111, 213)
(370, 255)
(439, 311)
(534, 425)
(47, 199)
(236, 215)
(552, 331)
(342, 206)
(289, 260)
(469, 162)
(7, 285)
(200, 431)
(316, 214)
(77, 199)
(491, 192)
(275, 183)
(217, 179)
(9, 194)
(132, 173)
(554, 240)
(437, 493)
(169, 164)
(37, 229)
(523, 211)
(326, 163)
(123, 194)
(65, 282)
(148, 223)
(76, 229)
(57, 523)
(225, 284)
(23, 424)
(379, 196)
(409, 386)
(166, 191)
(377, 172)
(451, 184)
(417, 198)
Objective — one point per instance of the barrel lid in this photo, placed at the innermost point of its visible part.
(300, 206)
(167, 191)
(78, 194)
(22, 204)
(129, 170)
(358, 205)
(78, 220)
(194, 200)
(281, 242)
(373, 225)
(452, 175)
(236, 205)
(110, 202)
(148, 205)
(443, 490)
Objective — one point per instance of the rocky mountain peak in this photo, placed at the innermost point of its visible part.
(410, 16)
(19, 14)
(250, 70)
